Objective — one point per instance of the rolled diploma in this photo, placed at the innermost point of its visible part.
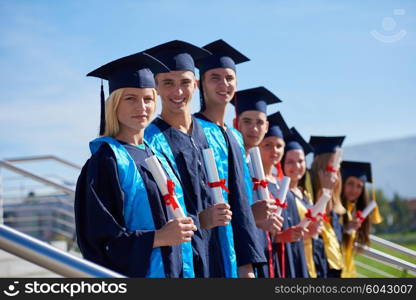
(161, 181)
(258, 171)
(367, 210)
(337, 159)
(212, 174)
(319, 207)
(284, 188)
(250, 167)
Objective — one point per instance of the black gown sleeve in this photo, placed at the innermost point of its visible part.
(247, 247)
(101, 231)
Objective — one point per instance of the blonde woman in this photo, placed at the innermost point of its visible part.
(121, 219)
(294, 166)
(325, 176)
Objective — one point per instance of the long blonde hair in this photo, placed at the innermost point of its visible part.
(319, 164)
(112, 126)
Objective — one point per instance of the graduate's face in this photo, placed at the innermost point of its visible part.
(294, 165)
(253, 125)
(135, 108)
(271, 150)
(176, 89)
(219, 86)
(353, 188)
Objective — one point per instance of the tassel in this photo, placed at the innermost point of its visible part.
(309, 187)
(235, 110)
(102, 114)
(375, 216)
(279, 170)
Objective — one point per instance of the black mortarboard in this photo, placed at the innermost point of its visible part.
(254, 99)
(178, 55)
(277, 126)
(223, 56)
(361, 170)
(326, 144)
(295, 141)
(134, 71)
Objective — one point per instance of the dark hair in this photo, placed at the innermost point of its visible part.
(203, 106)
(363, 233)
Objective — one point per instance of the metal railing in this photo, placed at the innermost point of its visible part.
(37, 178)
(387, 259)
(392, 246)
(49, 257)
(44, 157)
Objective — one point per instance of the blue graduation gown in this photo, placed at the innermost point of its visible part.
(295, 262)
(247, 247)
(262, 270)
(100, 223)
(338, 229)
(188, 159)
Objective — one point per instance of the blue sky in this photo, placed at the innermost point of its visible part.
(327, 60)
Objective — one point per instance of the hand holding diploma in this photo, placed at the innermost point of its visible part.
(259, 180)
(214, 183)
(281, 198)
(318, 210)
(218, 214)
(362, 215)
(166, 187)
(174, 232)
(264, 210)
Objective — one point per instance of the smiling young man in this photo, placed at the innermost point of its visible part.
(181, 139)
(218, 85)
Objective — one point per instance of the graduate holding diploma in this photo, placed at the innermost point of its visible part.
(325, 175)
(294, 166)
(361, 211)
(122, 219)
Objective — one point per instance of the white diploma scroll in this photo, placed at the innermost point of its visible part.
(212, 171)
(284, 188)
(318, 208)
(367, 210)
(162, 183)
(337, 159)
(258, 172)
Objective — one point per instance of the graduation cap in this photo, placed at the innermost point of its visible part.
(295, 141)
(134, 71)
(223, 56)
(277, 126)
(326, 144)
(254, 99)
(178, 55)
(361, 170)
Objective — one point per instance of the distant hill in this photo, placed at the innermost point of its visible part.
(393, 163)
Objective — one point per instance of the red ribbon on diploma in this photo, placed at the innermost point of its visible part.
(258, 183)
(279, 202)
(309, 215)
(359, 215)
(170, 196)
(330, 169)
(220, 183)
(324, 217)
